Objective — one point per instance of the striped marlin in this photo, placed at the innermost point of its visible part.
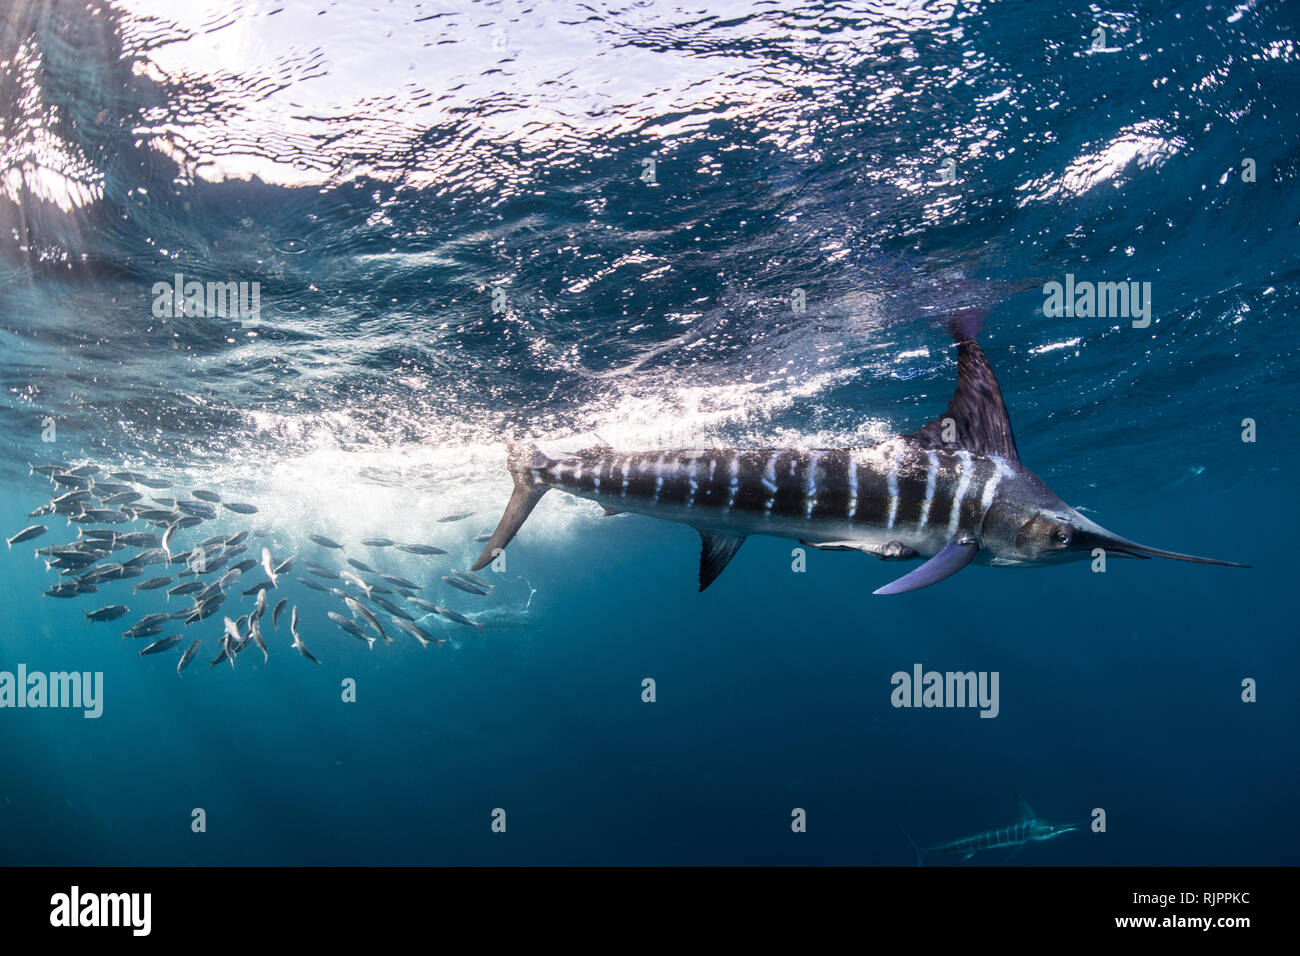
(953, 492)
(1028, 829)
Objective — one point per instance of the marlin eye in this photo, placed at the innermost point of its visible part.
(1063, 536)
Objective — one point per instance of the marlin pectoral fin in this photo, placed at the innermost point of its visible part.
(955, 556)
(717, 548)
(610, 512)
(968, 856)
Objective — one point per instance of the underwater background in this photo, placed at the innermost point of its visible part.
(478, 222)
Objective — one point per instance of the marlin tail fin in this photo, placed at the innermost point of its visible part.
(520, 459)
(920, 854)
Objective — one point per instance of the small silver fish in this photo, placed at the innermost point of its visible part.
(356, 581)
(401, 582)
(463, 585)
(239, 508)
(110, 612)
(472, 579)
(284, 566)
(256, 629)
(188, 656)
(458, 516)
(377, 542)
(202, 495)
(122, 498)
(417, 632)
(351, 628)
(161, 645)
(275, 614)
(152, 584)
(324, 542)
(362, 566)
(269, 567)
(420, 549)
(364, 612)
(299, 645)
(451, 615)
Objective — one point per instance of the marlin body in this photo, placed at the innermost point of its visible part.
(953, 492)
(1028, 829)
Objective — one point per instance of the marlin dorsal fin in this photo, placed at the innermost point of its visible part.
(1026, 811)
(980, 423)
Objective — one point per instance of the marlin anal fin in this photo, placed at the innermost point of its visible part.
(717, 548)
(976, 418)
(610, 512)
(528, 491)
(955, 556)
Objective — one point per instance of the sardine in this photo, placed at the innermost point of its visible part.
(351, 628)
(463, 585)
(161, 645)
(188, 656)
(420, 549)
(27, 534)
(324, 542)
(269, 566)
(152, 584)
(110, 612)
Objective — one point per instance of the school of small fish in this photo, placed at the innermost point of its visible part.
(207, 573)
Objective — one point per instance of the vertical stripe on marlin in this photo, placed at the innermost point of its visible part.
(972, 511)
(769, 482)
(673, 487)
(891, 482)
(873, 490)
(931, 471)
(791, 486)
(911, 481)
(834, 487)
(964, 469)
(810, 485)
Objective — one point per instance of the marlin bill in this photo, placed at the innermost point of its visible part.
(1026, 830)
(953, 493)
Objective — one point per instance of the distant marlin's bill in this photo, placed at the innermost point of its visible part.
(953, 492)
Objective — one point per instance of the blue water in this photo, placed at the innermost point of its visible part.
(381, 173)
